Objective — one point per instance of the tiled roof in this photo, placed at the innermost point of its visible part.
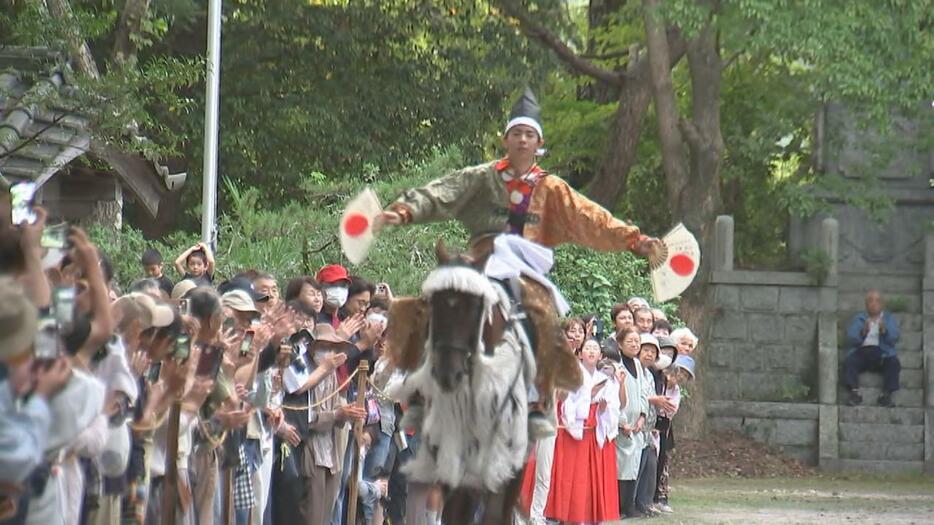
(37, 139)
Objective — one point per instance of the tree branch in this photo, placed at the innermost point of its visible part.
(732, 59)
(607, 56)
(533, 29)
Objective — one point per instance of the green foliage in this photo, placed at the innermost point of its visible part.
(817, 263)
(792, 388)
(576, 130)
(147, 97)
(897, 304)
(336, 86)
(783, 60)
(594, 281)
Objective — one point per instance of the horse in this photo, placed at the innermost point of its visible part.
(474, 375)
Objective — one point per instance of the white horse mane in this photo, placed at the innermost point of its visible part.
(462, 279)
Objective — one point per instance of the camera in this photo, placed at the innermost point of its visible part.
(154, 370)
(55, 237)
(21, 195)
(182, 348)
(63, 306)
(48, 343)
(209, 364)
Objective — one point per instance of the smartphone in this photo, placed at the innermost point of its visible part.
(209, 364)
(401, 440)
(154, 370)
(182, 348)
(229, 324)
(55, 237)
(183, 306)
(48, 343)
(63, 305)
(247, 342)
(21, 195)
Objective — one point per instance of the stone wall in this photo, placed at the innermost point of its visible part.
(768, 360)
(764, 336)
(790, 427)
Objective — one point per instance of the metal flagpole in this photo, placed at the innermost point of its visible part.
(212, 83)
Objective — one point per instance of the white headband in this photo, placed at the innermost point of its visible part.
(527, 121)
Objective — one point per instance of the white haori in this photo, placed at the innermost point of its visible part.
(576, 407)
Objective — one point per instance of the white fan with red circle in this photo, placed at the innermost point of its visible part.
(675, 267)
(356, 228)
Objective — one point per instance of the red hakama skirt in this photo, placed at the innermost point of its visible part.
(583, 477)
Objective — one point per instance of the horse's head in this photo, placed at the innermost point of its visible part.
(460, 299)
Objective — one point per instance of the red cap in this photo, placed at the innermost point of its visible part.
(332, 273)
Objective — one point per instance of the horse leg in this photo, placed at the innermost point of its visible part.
(459, 507)
(500, 506)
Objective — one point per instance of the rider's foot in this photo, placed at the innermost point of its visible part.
(540, 427)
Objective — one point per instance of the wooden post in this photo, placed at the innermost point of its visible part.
(170, 482)
(352, 488)
(228, 497)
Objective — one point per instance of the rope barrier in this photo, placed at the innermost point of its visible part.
(379, 393)
(210, 437)
(326, 399)
(140, 427)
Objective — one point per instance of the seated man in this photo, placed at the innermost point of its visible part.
(872, 336)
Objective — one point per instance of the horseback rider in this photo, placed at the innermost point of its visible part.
(514, 195)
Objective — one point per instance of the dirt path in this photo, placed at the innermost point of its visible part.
(824, 501)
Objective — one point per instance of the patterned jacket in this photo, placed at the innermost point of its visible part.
(477, 197)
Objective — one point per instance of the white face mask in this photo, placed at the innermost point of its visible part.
(335, 296)
(663, 362)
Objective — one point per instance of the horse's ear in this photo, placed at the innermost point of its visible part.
(441, 252)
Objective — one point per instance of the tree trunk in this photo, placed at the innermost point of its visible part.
(692, 152)
(131, 20)
(610, 182)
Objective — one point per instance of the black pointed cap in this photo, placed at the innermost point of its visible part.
(527, 106)
(525, 111)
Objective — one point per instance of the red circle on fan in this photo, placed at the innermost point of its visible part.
(681, 264)
(356, 225)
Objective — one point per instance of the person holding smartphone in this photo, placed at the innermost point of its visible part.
(24, 426)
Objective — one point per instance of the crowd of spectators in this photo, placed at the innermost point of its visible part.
(252, 396)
